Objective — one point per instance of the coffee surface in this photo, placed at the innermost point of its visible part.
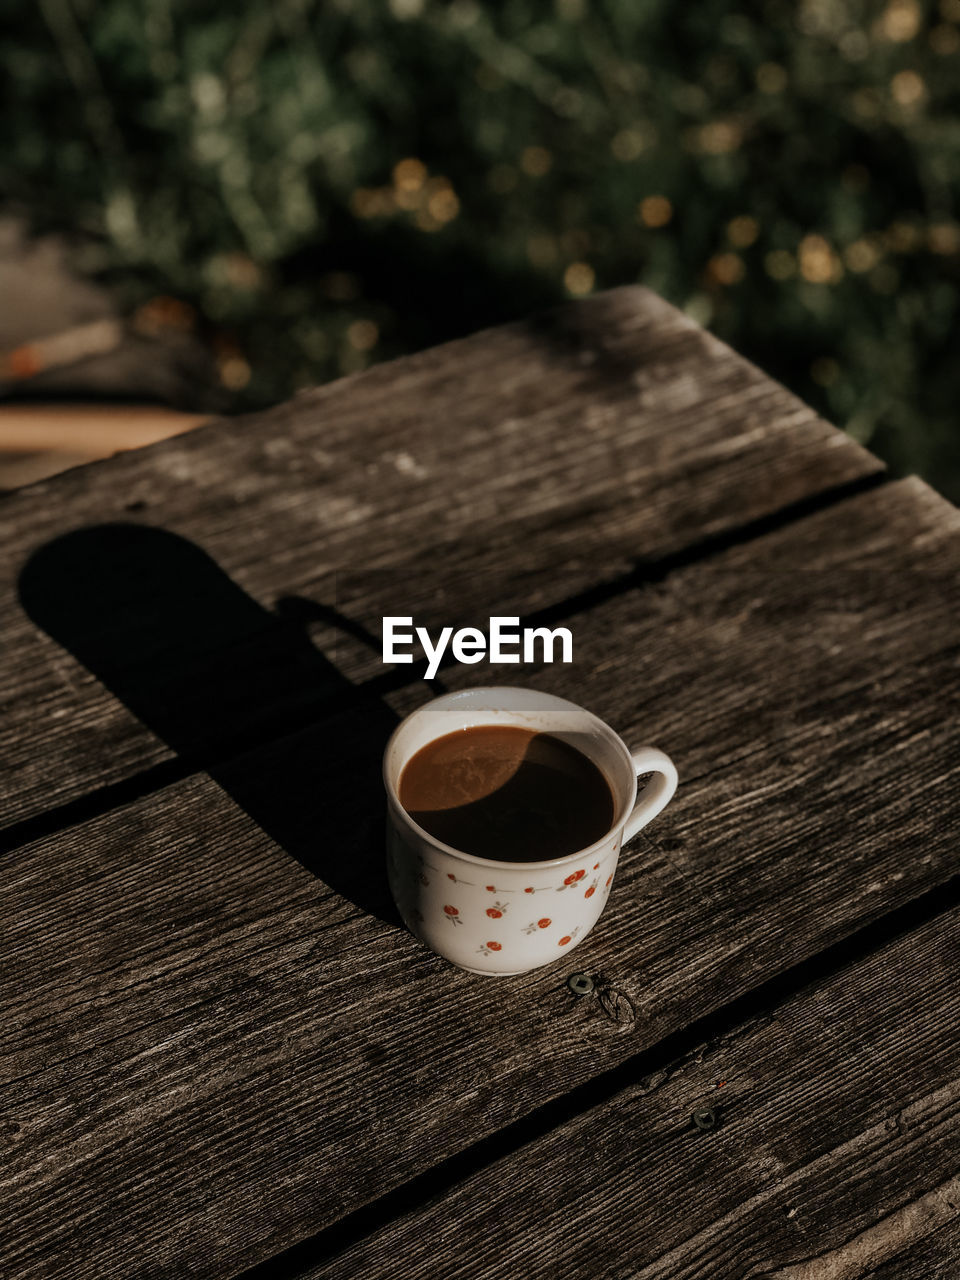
(507, 793)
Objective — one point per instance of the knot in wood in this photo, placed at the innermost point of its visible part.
(617, 1006)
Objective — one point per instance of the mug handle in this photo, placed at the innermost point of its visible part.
(658, 791)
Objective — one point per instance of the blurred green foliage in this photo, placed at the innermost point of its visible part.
(328, 184)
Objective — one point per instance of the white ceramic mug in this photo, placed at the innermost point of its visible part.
(507, 917)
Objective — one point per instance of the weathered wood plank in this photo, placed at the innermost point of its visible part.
(731, 654)
(616, 430)
(835, 1151)
(934, 1256)
(176, 982)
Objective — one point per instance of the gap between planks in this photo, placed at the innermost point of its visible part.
(115, 795)
(654, 1066)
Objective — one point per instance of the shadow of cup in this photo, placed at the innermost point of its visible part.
(230, 687)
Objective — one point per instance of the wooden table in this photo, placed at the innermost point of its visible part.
(221, 1054)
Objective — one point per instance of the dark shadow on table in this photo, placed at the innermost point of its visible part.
(216, 676)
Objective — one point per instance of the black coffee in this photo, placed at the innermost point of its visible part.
(507, 793)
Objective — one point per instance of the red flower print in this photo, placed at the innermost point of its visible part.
(544, 923)
(590, 892)
(494, 946)
(451, 911)
(529, 891)
(574, 877)
(609, 878)
(491, 888)
(596, 866)
(564, 940)
(493, 913)
(451, 876)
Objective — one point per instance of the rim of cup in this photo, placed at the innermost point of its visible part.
(623, 812)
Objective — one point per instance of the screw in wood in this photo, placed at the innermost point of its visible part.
(705, 1119)
(581, 984)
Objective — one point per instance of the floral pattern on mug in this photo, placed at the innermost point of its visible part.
(488, 948)
(568, 937)
(544, 923)
(452, 914)
(573, 878)
(497, 910)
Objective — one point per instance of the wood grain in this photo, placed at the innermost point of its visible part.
(542, 459)
(216, 1042)
(835, 1150)
(934, 1257)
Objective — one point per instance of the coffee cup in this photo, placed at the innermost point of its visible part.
(494, 916)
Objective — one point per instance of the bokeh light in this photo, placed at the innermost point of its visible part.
(312, 188)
